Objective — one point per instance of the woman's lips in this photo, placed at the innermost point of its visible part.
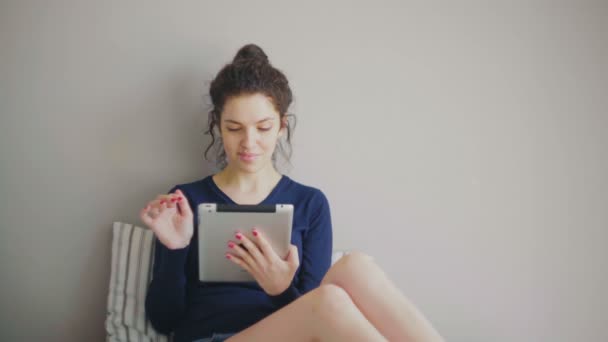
(247, 157)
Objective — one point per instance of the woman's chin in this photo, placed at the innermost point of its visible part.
(251, 167)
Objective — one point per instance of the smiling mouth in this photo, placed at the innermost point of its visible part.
(248, 157)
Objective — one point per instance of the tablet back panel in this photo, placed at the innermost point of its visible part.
(218, 224)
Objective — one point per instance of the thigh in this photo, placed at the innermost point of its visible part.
(290, 323)
(326, 313)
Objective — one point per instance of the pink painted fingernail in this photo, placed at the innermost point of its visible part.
(255, 232)
(163, 201)
(173, 199)
(231, 244)
(228, 256)
(239, 236)
(179, 198)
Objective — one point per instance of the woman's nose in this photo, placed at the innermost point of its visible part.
(249, 139)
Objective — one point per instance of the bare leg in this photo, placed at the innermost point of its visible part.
(379, 300)
(324, 314)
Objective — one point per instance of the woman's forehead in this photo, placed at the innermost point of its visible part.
(249, 109)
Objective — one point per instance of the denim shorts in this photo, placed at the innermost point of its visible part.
(216, 337)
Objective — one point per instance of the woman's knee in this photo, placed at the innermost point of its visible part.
(335, 314)
(357, 257)
(355, 261)
(330, 300)
(351, 265)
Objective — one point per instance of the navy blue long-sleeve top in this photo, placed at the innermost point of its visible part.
(177, 301)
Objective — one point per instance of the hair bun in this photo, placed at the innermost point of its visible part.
(250, 52)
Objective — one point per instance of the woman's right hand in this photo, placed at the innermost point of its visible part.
(170, 218)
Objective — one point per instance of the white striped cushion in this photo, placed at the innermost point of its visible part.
(131, 272)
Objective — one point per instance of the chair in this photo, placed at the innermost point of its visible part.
(131, 272)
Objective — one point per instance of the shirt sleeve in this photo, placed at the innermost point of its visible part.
(316, 253)
(165, 299)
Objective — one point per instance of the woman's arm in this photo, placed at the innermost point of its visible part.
(316, 252)
(165, 300)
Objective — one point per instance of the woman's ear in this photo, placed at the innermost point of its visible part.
(283, 128)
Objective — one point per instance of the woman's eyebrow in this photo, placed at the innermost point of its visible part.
(236, 122)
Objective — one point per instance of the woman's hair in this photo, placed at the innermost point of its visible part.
(249, 73)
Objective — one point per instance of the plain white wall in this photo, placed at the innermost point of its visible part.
(463, 145)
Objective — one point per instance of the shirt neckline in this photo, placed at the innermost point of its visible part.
(229, 200)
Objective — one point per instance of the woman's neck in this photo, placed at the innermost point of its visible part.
(244, 182)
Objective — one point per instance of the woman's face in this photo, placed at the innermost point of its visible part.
(250, 128)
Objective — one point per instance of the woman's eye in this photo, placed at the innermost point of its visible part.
(231, 129)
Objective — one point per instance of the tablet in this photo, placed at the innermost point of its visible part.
(218, 223)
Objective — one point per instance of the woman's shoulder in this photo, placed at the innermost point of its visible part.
(306, 192)
(201, 182)
(195, 189)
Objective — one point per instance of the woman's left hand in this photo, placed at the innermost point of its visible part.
(272, 273)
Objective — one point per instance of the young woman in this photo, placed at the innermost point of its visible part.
(298, 298)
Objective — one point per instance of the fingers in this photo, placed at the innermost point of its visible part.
(239, 253)
(164, 206)
(149, 212)
(251, 247)
(264, 245)
(248, 251)
(145, 217)
(293, 258)
(154, 209)
(156, 203)
(171, 200)
(237, 260)
(149, 216)
(164, 210)
(183, 205)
